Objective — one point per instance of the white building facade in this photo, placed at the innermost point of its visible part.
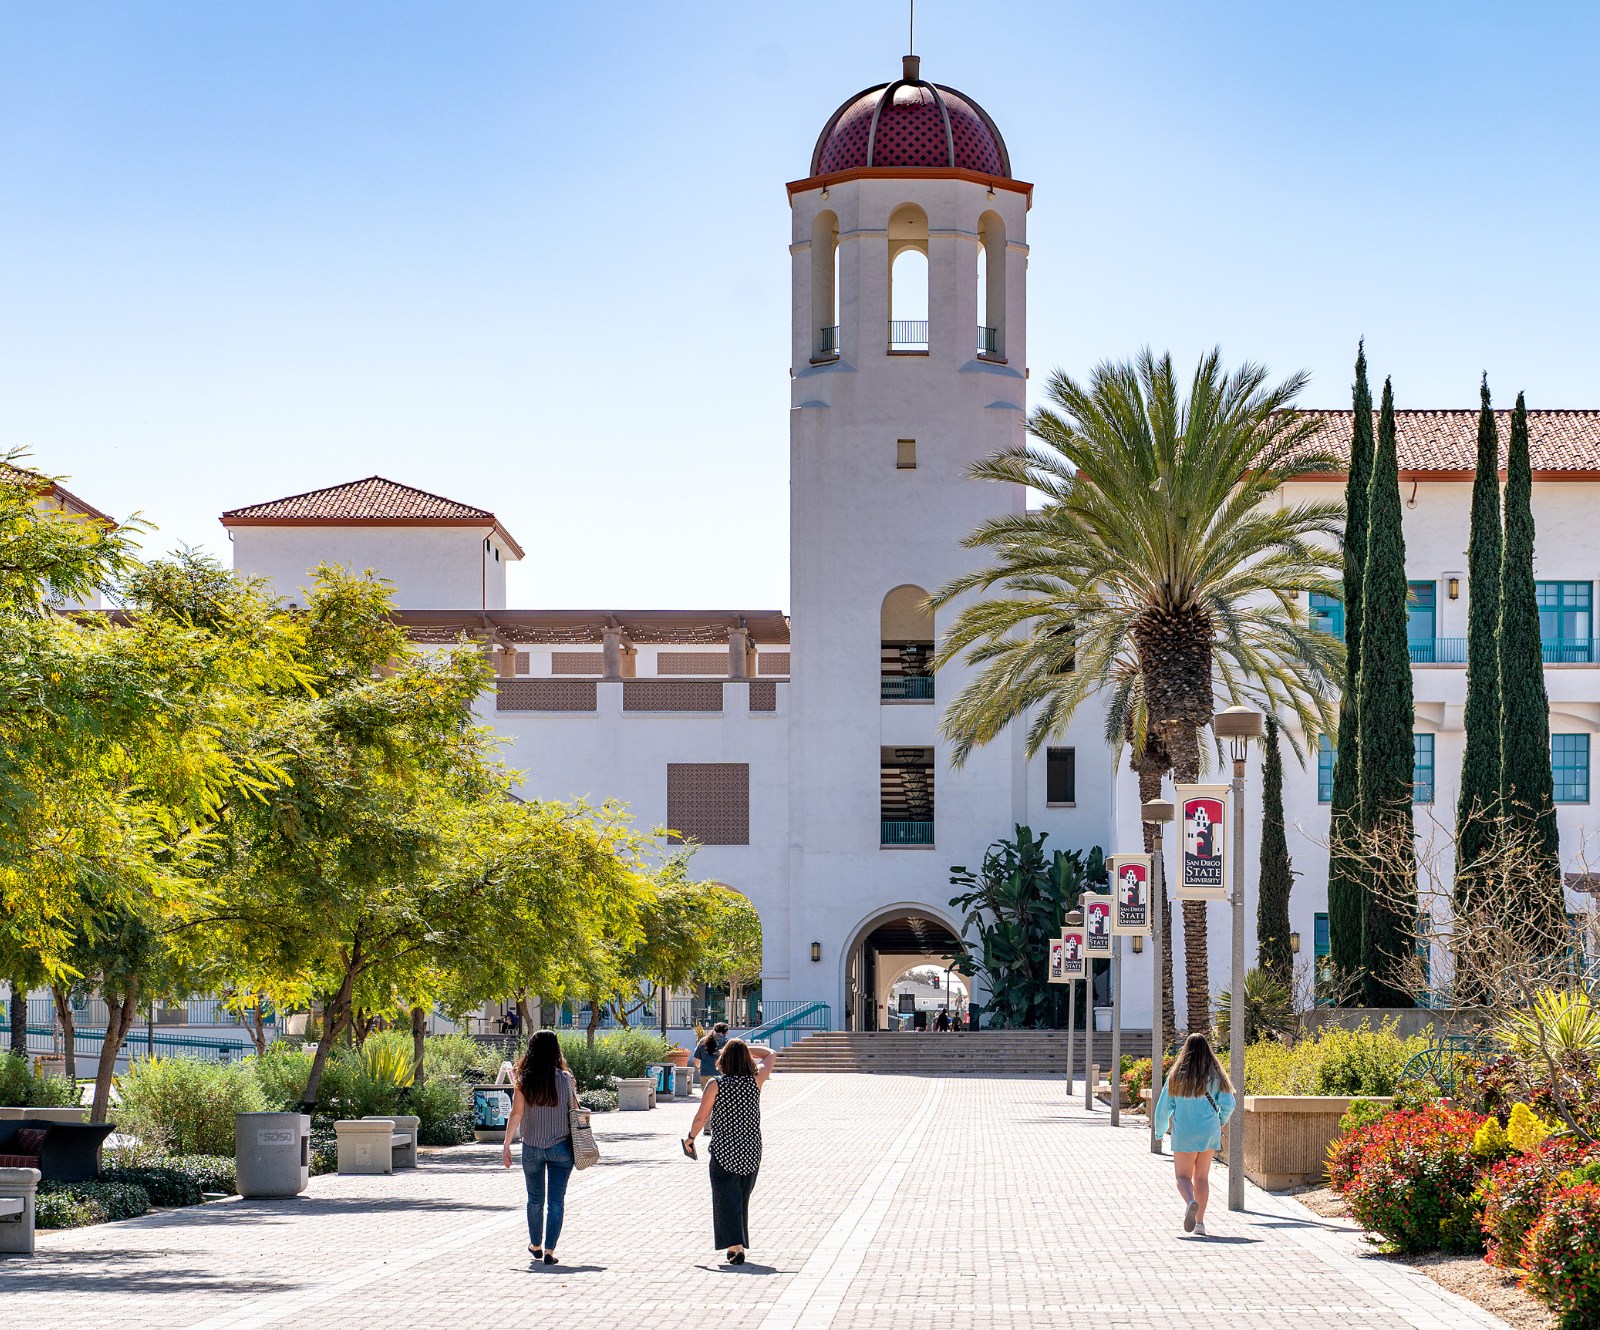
(801, 750)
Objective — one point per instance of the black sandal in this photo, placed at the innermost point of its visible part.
(536, 1252)
(550, 1258)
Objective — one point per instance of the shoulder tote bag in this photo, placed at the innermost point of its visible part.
(585, 1153)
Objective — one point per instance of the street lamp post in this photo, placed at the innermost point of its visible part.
(1156, 813)
(1238, 725)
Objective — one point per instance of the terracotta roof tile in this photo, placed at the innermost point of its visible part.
(371, 500)
(1448, 440)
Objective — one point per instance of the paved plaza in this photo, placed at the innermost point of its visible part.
(883, 1202)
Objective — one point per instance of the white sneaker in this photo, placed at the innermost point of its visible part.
(1199, 1230)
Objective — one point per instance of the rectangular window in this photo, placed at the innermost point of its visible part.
(1325, 757)
(1569, 765)
(1422, 768)
(1421, 622)
(905, 455)
(1566, 624)
(1319, 936)
(709, 802)
(1327, 614)
(1061, 776)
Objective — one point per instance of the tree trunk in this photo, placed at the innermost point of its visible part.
(333, 1018)
(119, 1020)
(664, 996)
(419, 1035)
(594, 1021)
(19, 1018)
(258, 1029)
(525, 1014)
(69, 1031)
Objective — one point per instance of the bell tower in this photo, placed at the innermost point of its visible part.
(909, 250)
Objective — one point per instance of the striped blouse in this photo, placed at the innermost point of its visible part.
(544, 1125)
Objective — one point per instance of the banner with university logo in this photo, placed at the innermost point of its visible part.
(1058, 953)
(1203, 816)
(1097, 916)
(1072, 961)
(1130, 887)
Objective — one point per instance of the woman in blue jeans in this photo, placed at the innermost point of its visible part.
(1196, 1100)
(540, 1113)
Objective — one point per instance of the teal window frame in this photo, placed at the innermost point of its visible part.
(1422, 621)
(1326, 756)
(1327, 614)
(1422, 768)
(1569, 768)
(1566, 622)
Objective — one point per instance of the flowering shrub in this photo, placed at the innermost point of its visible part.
(1361, 1113)
(1515, 1193)
(1491, 1142)
(1411, 1178)
(1562, 1256)
(1526, 1130)
(1136, 1076)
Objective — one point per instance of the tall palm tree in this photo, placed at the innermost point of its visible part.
(1164, 567)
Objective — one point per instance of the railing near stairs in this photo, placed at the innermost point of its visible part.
(806, 1018)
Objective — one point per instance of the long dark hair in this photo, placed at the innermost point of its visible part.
(735, 1059)
(536, 1072)
(713, 1039)
(1197, 1071)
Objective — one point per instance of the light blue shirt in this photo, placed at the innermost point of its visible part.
(1194, 1124)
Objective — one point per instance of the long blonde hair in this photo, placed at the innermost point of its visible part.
(1197, 1071)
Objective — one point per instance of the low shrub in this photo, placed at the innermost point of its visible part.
(454, 1129)
(1515, 1192)
(1526, 1130)
(74, 1204)
(1362, 1061)
(1562, 1256)
(164, 1186)
(186, 1106)
(20, 1088)
(598, 1101)
(282, 1072)
(1362, 1113)
(624, 1053)
(436, 1103)
(1491, 1141)
(1136, 1076)
(324, 1146)
(1412, 1179)
(458, 1057)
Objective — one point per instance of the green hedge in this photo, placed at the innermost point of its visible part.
(185, 1106)
(74, 1204)
(175, 1179)
(624, 1053)
(20, 1088)
(1362, 1061)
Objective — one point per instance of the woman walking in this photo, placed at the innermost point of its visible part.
(705, 1052)
(1196, 1100)
(541, 1113)
(732, 1105)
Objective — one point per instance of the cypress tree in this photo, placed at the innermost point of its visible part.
(1384, 721)
(1346, 883)
(1480, 763)
(1273, 953)
(1527, 792)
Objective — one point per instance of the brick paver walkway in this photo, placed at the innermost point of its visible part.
(884, 1202)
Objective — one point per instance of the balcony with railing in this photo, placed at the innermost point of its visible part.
(905, 796)
(827, 343)
(908, 336)
(907, 833)
(906, 688)
(1453, 651)
(989, 342)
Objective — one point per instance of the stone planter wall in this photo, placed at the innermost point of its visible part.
(1286, 1137)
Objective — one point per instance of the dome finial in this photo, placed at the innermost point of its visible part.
(913, 68)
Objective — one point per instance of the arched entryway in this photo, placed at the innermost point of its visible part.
(886, 946)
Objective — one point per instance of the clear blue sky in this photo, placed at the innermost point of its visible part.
(533, 256)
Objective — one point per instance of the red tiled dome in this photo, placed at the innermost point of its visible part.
(910, 125)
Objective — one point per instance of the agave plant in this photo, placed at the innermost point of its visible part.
(1268, 1009)
(1560, 1024)
(388, 1062)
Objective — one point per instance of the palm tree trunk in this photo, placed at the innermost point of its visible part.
(1152, 766)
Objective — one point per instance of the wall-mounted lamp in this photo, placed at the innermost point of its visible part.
(1294, 944)
(824, 191)
(1138, 944)
(1452, 587)
(816, 951)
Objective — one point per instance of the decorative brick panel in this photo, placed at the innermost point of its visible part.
(692, 662)
(521, 663)
(671, 695)
(577, 662)
(709, 802)
(773, 662)
(545, 695)
(763, 695)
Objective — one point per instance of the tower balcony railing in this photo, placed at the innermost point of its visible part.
(908, 335)
(828, 341)
(907, 688)
(988, 341)
(1453, 651)
(907, 833)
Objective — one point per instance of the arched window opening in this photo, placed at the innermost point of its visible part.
(906, 653)
(908, 280)
(825, 286)
(992, 286)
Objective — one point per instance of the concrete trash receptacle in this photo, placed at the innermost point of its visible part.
(681, 1078)
(661, 1074)
(272, 1153)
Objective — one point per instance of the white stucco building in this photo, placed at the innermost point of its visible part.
(801, 750)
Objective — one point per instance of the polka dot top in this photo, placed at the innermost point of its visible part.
(736, 1125)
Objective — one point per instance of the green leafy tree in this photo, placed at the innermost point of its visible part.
(1384, 720)
(1527, 791)
(1274, 956)
(1162, 563)
(1479, 801)
(1346, 888)
(1013, 905)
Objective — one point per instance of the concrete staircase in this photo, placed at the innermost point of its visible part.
(982, 1052)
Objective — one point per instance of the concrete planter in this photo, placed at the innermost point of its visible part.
(1286, 1137)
